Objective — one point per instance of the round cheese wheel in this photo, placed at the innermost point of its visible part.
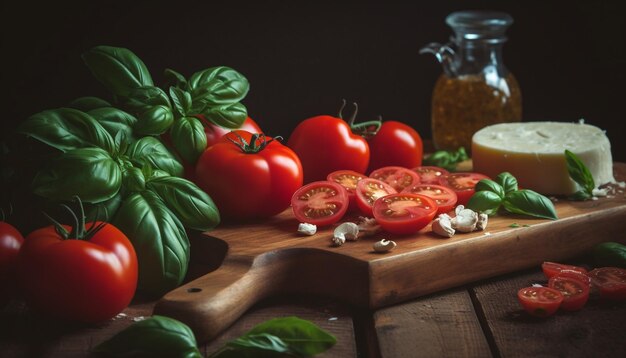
(534, 152)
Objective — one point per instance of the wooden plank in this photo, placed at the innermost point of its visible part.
(440, 325)
(595, 331)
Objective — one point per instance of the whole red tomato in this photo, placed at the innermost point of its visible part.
(326, 144)
(10, 242)
(214, 132)
(249, 176)
(395, 144)
(86, 280)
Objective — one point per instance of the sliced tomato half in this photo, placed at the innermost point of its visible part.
(444, 197)
(430, 174)
(540, 301)
(320, 203)
(610, 281)
(551, 269)
(369, 190)
(347, 179)
(574, 287)
(398, 177)
(462, 183)
(404, 213)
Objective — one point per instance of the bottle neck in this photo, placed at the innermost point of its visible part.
(474, 57)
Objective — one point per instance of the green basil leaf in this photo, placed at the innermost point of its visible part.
(155, 121)
(173, 78)
(580, 195)
(303, 337)
(227, 116)
(159, 239)
(149, 150)
(118, 69)
(217, 86)
(114, 121)
(507, 181)
(90, 173)
(134, 180)
(144, 98)
(67, 129)
(446, 159)
(485, 201)
(189, 138)
(579, 172)
(87, 104)
(253, 346)
(528, 202)
(157, 336)
(192, 206)
(489, 185)
(610, 254)
(181, 99)
(104, 210)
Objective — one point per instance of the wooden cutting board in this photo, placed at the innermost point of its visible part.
(270, 257)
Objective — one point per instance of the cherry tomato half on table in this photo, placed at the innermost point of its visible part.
(395, 144)
(540, 301)
(551, 269)
(463, 184)
(347, 179)
(404, 213)
(84, 280)
(575, 289)
(320, 203)
(249, 176)
(610, 281)
(444, 197)
(369, 190)
(430, 174)
(11, 241)
(398, 177)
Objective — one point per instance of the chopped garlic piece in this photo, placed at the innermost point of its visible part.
(307, 229)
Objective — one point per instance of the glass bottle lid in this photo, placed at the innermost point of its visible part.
(480, 25)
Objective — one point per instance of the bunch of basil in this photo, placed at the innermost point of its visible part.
(114, 158)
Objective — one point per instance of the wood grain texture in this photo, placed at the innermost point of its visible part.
(595, 331)
(267, 257)
(439, 325)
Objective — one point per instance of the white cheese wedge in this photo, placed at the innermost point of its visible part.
(534, 153)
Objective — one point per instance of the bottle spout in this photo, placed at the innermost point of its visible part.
(443, 53)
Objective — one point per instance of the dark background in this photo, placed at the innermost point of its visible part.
(302, 58)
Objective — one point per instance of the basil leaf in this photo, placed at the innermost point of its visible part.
(485, 201)
(149, 150)
(134, 180)
(67, 129)
(227, 116)
(157, 336)
(154, 121)
(118, 69)
(181, 99)
(528, 202)
(90, 173)
(174, 78)
(303, 337)
(87, 104)
(189, 138)
(489, 185)
(104, 210)
(580, 195)
(579, 172)
(190, 204)
(507, 181)
(159, 240)
(253, 346)
(446, 159)
(144, 98)
(114, 121)
(217, 86)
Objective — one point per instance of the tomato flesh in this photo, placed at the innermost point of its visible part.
(610, 281)
(348, 179)
(540, 301)
(430, 174)
(463, 184)
(320, 203)
(398, 177)
(551, 269)
(574, 287)
(369, 190)
(404, 213)
(444, 197)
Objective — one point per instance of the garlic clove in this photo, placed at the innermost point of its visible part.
(465, 220)
(348, 231)
(481, 224)
(307, 229)
(384, 245)
(338, 241)
(442, 225)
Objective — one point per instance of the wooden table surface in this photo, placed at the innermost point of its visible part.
(482, 319)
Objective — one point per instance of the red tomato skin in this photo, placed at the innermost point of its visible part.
(395, 144)
(420, 217)
(544, 304)
(326, 144)
(551, 269)
(610, 281)
(398, 177)
(429, 174)
(340, 200)
(78, 280)
(365, 205)
(336, 177)
(575, 290)
(468, 182)
(214, 132)
(446, 202)
(11, 241)
(249, 185)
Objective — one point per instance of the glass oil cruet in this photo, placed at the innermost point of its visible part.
(475, 89)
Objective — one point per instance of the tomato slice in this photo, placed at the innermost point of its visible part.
(611, 281)
(347, 179)
(462, 183)
(442, 195)
(398, 177)
(540, 301)
(575, 289)
(551, 269)
(320, 203)
(404, 213)
(368, 190)
(430, 174)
